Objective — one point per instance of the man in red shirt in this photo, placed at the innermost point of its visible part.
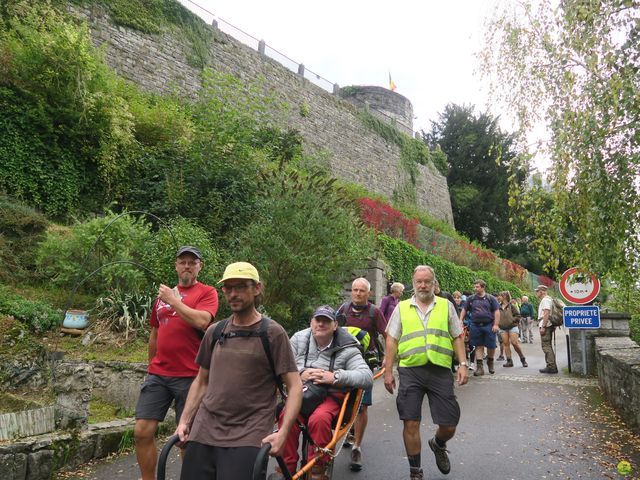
(178, 320)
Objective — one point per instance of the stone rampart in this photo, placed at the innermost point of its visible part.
(328, 124)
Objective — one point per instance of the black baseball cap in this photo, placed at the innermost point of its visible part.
(189, 249)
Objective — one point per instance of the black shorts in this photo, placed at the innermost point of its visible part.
(437, 383)
(204, 462)
(157, 393)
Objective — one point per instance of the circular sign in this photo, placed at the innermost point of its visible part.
(578, 286)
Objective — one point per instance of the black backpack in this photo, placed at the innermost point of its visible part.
(218, 336)
(341, 316)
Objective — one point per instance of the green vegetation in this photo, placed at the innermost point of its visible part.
(102, 411)
(37, 315)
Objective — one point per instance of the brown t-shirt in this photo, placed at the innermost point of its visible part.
(238, 408)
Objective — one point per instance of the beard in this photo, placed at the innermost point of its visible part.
(425, 297)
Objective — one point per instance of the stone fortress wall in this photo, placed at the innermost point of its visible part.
(159, 63)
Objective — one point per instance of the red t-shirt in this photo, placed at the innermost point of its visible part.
(178, 342)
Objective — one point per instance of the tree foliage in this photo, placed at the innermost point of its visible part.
(481, 159)
(575, 67)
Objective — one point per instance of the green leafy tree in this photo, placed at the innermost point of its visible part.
(574, 67)
(481, 159)
(305, 238)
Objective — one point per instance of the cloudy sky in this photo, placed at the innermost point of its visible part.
(427, 46)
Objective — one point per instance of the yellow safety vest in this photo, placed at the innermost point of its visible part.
(419, 346)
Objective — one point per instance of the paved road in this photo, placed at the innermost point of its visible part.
(517, 424)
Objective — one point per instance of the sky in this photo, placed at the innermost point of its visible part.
(427, 46)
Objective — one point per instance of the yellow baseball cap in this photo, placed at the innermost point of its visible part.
(240, 270)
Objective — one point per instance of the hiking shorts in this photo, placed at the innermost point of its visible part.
(202, 461)
(158, 392)
(482, 335)
(434, 381)
(509, 330)
(367, 397)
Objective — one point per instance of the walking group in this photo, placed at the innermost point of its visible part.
(224, 376)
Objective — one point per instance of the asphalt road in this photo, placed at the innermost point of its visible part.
(517, 424)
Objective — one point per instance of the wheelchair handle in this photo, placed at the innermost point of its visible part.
(260, 465)
(162, 459)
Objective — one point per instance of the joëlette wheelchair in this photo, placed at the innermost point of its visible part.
(341, 427)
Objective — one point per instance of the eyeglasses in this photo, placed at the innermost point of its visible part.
(239, 288)
(190, 263)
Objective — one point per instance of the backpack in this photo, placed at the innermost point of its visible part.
(341, 316)
(218, 336)
(556, 317)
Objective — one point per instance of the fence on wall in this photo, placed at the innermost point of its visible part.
(259, 45)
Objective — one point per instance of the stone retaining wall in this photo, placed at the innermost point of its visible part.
(618, 366)
(329, 125)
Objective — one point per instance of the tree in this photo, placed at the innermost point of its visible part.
(481, 159)
(575, 68)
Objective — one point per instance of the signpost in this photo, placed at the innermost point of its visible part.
(580, 287)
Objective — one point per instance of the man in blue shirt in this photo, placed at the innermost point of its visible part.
(485, 317)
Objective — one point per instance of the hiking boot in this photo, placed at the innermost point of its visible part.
(524, 362)
(548, 370)
(508, 363)
(492, 370)
(479, 369)
(416, 474)
(442, 459)
(356, 460)
(501, 358)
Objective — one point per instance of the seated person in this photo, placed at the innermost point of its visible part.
(329, 356)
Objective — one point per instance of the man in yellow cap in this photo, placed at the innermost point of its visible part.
(230, 410)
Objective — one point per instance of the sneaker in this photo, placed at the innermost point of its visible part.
(350, 440)
(416, 474)
(356, 459)
(442, 459)
(472, 367)
(501, 358)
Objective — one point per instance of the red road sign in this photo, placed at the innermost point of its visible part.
(579, 287)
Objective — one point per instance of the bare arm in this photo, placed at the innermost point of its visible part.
(153, 343)
(463, 315)
(291, 410)
(391, 347)
(496, 320)
(462, 375)
(196, 318)
(196, 392)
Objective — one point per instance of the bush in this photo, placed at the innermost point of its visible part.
(39, 316)
(21, 228)
(62, 256)
(125, 312)
(160, 252)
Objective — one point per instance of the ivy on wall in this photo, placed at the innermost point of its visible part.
(403, 258)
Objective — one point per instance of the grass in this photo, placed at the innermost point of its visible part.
(102, 411)
(135, 351)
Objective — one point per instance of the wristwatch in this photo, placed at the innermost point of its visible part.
(464, 364)
(336, 377)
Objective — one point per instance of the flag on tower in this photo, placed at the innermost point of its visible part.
(392, 86)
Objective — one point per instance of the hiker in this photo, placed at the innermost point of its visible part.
(361, 313)
(527, 313)
(331, 359)
(390, 301)
(179, 317)
(485, 316)
(230, 410)
(546, 329)
(509, 320)
(425, 332)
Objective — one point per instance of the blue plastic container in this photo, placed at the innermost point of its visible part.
(76, 319)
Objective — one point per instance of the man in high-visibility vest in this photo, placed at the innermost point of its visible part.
(425, 333)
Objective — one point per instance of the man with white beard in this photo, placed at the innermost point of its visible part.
(425, 333)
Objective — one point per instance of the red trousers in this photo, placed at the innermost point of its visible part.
(319, 428)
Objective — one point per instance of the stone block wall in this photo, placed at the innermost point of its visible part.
(330, 125)
(611, 325)
(618, 367)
